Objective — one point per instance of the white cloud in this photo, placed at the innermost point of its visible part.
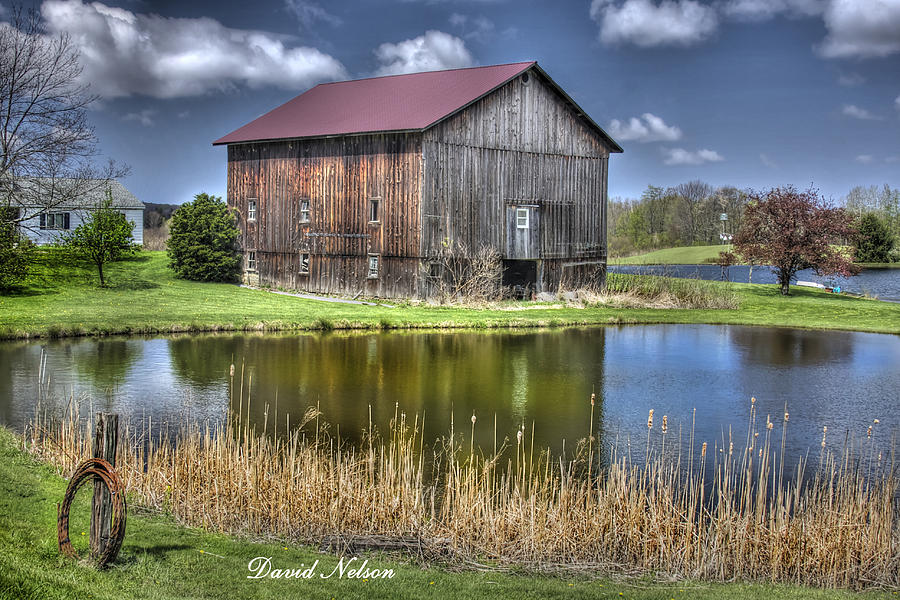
(680, 156)
(892, 159)
(649, 128)
(856, 112)
(761, 10)
(433, 51)
(144, 117)
(126, 54)
(767, 161)
(864, 159)
(646, 23)
(480, 28)
(861, 28)
(309, 12)
(851, 79)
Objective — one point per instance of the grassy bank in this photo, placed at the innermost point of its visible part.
(162, 560)
(144, 297)
(687, 255)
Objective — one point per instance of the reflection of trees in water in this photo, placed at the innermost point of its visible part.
(104, 362)
(548, 376)
(204, 360)
(790, 347)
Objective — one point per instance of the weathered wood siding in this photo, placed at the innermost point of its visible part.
(339, 177)
(523, 145)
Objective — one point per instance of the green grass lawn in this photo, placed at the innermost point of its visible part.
(687, 255)
(144, 297)
(161, 560)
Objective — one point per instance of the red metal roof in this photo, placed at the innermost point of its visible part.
(393, 103)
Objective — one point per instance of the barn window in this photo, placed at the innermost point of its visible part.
(373, 266)
(522, 218)
(374, 206)
(304, 263)
(251, 261)
(251, 210)
(304, 210)
(55, 220)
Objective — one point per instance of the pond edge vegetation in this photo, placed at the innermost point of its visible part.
(717, 510)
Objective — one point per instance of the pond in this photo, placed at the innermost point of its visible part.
(540, 379)
(883, 284)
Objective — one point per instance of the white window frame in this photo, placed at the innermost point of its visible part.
(374, 260)
(305, 212)
(303, 271)
(251, 209)
(251, 260)
(522, 218)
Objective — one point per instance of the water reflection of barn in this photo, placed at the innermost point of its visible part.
(354, 187)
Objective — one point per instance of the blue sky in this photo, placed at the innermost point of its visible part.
(752, 93)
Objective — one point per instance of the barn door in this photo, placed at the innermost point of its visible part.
(523, 231)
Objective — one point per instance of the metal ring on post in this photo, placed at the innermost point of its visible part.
(89, 469)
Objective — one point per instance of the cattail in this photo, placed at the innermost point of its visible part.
(876, 421)
(730, 448)
(824, 433)
(519, 437)
(760, 452)
(752, 400)
(786, 415)
(768, 422)
(665, 424)
(231, 371)
(869, 432)
(650, 420)
(473, 418)
(593, 396)
(703, 450)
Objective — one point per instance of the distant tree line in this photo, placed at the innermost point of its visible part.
(687, 214)
(690, 214)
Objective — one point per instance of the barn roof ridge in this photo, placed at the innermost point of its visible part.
(509, 64)
(410, 102)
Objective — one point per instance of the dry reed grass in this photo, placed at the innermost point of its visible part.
(723, 515)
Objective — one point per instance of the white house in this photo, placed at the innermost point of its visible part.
(48, 218)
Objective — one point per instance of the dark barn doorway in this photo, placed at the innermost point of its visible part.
(520, 276)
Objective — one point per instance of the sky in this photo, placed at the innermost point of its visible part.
(750, 93)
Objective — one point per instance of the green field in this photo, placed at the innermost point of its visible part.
(144, 297)
(687, 255)
(161, 560)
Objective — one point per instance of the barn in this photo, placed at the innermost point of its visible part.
(355, 187)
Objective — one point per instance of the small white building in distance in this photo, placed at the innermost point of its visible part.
(54, 208)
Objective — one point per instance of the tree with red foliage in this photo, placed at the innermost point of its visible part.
(793, 230)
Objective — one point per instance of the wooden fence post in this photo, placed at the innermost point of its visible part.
(106, 437)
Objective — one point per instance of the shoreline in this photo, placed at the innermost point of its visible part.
(146, 299)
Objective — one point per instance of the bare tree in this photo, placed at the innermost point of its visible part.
(47, 145)
(693, 195)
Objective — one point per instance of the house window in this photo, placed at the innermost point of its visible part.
(251, 261)
(374, 206)
(373, 266)
(56, 220)
(304, 263)
(304, 210)
(251, 210)
(522, 218)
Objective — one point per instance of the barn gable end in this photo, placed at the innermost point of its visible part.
(523, 152)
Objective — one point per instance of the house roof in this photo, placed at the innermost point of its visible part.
(412, 102)
(72, 193)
